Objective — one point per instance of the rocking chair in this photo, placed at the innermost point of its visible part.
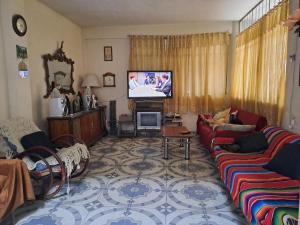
(70, 160)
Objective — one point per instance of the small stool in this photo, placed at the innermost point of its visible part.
(126, 126)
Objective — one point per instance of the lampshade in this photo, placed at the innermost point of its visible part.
(90, 80)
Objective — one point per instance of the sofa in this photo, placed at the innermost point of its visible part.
(207, 133)
(265, 197)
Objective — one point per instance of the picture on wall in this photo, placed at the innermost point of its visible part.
(22, 58)
(108, 55)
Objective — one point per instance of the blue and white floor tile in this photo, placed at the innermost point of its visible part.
(184, 217)
(125, 216)
(61, 215)
(191, 168)
(197, 194)
(144, 167)
(128, 183)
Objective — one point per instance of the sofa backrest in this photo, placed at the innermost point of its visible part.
(277, 138)
(249, 118)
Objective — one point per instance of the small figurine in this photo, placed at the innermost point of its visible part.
(94, 101)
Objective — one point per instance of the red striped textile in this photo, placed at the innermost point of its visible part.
(265, 197)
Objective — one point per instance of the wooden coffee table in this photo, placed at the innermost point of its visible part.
(179, 132)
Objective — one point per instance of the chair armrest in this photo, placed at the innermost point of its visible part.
(221, 141)
(67, 140)
(37, 150)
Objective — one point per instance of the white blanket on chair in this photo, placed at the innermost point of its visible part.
(71, 156)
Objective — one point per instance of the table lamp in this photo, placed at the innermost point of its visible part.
(90, 80)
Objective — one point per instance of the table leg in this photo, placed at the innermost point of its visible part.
(187, 149)
(165, 142)
(181, 142)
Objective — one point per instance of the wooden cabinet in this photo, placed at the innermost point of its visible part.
(87, 125)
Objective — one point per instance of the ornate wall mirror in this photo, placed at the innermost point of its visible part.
(59, 72)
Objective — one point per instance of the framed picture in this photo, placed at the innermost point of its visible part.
(22, 58)
(108, 55)
(109, 80)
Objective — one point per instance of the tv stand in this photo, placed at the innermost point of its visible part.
(149, 106)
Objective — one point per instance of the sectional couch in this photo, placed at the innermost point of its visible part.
(265, 197)
(207, 133)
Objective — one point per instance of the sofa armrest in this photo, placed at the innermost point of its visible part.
(234, 127)
(207, 116)
(231, 134)
(261, 123)
(221, 141)
(202, 118)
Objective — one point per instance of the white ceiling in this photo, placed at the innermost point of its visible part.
(137, 12)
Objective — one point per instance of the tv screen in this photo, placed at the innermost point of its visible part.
(149, 84)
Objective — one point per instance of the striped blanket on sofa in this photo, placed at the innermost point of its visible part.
(265, 197)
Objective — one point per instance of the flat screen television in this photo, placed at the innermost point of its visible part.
(149, 84)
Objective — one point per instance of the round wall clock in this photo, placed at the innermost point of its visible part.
(19, 25)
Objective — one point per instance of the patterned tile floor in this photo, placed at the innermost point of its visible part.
(128, 183)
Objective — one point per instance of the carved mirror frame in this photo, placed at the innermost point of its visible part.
(60, 56)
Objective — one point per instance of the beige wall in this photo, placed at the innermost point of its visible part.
(3, 81)
(46, 29)
(292, 106)
(18, 92)
(117, 37)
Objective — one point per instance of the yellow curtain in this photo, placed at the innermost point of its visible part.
(259, 74)
(198, 62)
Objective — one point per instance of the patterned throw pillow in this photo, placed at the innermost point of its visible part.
(222, 115)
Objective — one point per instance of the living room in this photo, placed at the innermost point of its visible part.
(84, 32)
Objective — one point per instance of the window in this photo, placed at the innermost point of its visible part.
(256, 13)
